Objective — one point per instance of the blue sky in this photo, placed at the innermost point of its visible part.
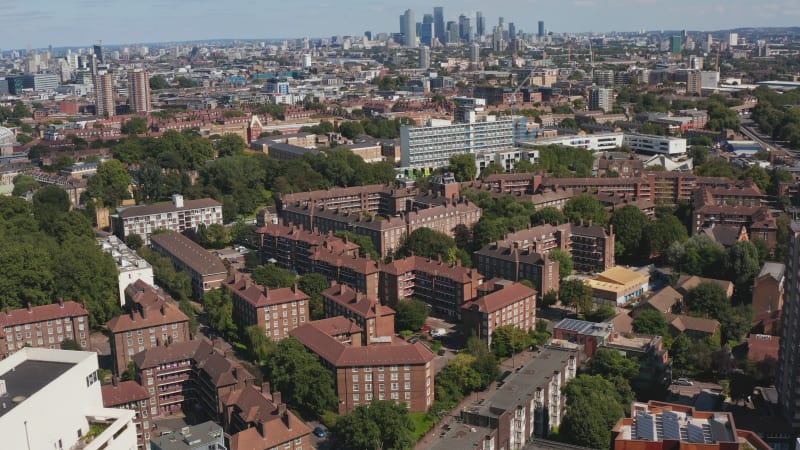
(39, 23)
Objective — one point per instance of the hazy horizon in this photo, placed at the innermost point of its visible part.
(80, 23)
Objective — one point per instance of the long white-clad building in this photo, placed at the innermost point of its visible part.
(130, 266)
(51, 399)
(431, 146)
(639, 143)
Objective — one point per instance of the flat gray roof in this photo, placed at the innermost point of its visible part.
(26, 379)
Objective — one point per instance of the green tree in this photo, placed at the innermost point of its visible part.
(364, 242)
(485, 363)
(273, 276)
(24, 184)
(70, 344)
(302, 379)
(662, 232)
(130, 372)
(158, 82)
(427, 243)
(584, 423)
(411, 314)
(708, 299)
(742, 263)
(313, 284)
(186, 307)
(135, 125)
(463, 167)
(508, 340)
(381, 424)
(351, 129)
(49, 201)
(629, 224)
(565, 264)
(548, 214)
(259, 346)
(219, 306)
(21, 111)
(651, 322)
(110, 184)
(134, 241)
(577, 294)
(601, 314)
(586, 208)
(610, 363)
(231, 144)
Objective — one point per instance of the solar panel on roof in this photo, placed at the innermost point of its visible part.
(672, 428)
(695, 434)
(644, 426)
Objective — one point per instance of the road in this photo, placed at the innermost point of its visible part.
(750, 130)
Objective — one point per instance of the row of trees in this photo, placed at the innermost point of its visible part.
(777, 116)
(48, 252)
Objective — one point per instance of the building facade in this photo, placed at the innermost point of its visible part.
(178, 216)
(392, 370)
(788, 375)
(274, 311)
(206, 269)
(44, 326)
(151, 320)
(376, 320)
(139, 91)
(510, 304)
(130, 266)
(131, 395)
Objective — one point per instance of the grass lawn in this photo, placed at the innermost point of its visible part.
(423, 422)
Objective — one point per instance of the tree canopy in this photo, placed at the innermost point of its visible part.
(565, 264)
(381, 424)
(651, 322)
(586, 208)
(411, 315)
(585, 423)
(110, 184)
(301, 378)
(463, 167)
(629, 225)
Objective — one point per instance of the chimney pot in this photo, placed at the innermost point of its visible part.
(276, 398)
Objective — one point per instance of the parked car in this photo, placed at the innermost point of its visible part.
(319, 432)
(436, 332)
(684, 382)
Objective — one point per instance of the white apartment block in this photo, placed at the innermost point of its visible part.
(639, 143)
(431, 146)
(51, 399)
(130, 266)
(176, 216)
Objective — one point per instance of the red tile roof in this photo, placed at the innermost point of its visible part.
(761, 347)
(165, 314)
(253, 406)
(341, 355)
(44, 312)
(243, 286)
(499, 299)
(181, 351)
(123, 393)
(362, 305)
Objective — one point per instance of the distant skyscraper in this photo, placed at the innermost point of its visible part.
(368, 35)
(452, 31)
(675, 44)
(512, 31)
(139, 91)
(408, 26)
(424, 57)
(427, 33)
(438, 22)
(480, 23)
(474, 52)
(98, 53)
(104, 94)
(464, 28)
(733, 39)
(541, 29)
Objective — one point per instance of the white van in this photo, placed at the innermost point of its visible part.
(436, 332)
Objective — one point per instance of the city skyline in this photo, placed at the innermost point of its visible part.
(40, 23)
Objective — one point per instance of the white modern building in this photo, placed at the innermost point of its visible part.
(640, 143)
(51, 399)
(130, 266)
(430, 147)
(177, 216)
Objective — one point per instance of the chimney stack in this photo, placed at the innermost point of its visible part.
(115, 380)
(276, 398)
(61, 301)
(30, 307)
(265, 387)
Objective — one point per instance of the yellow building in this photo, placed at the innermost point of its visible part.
(618, 286)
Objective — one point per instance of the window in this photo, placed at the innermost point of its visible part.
(380, 377)
(395, 377)
(355, 397)
(408, 385)
(407, 376)
(355, 388)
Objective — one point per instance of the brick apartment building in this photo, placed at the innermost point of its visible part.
(374, 199)
(177, 216)
(131, 395)
(509, 304)
(443, 286)
(257, 419)
(591, 247)
(189, 373)
(526, 405)
(738, 206)
(206, 269)
(361, 274)
(366, 311)
(386, 233)
(291, 247)
(275, 311)
(44, 326)
(509, 260)
(391, 370)
(152, 319)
